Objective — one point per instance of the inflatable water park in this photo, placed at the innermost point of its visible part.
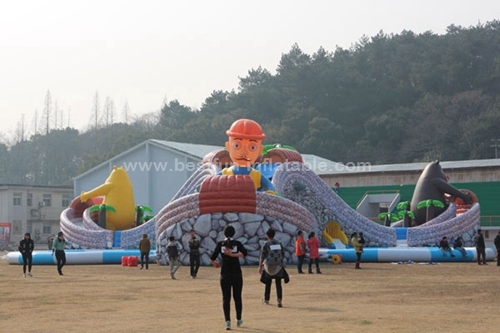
(255, 187)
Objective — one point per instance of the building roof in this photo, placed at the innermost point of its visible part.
(406, 167)
(317, 164)
(192, 149)
(33, 186)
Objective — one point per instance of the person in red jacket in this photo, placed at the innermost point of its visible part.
(300, 250)
(313, 245)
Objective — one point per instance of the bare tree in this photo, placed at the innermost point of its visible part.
(19, 136)
(56, 109)
(35, 122)
(61, 119)
(47, 109)
(109, 112)
(94, 115)
(126, 112)
(69, 117)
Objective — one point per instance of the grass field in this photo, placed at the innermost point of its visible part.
(381, 297)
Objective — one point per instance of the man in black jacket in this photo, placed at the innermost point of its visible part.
(480, 247)
(497, 245)
(26, 247)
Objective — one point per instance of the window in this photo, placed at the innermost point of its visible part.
(17, 225)
(47, 200)
(47, 229)
(18, 198)
(29, 199)
(65, 200)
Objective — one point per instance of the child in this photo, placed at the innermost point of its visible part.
(173, 249)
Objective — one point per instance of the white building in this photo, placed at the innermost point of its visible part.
(33, 209)
(158, 169)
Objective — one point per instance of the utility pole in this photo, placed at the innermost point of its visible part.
(495, 143)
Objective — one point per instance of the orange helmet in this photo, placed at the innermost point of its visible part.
(246, 129)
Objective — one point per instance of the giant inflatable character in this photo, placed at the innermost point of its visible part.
(118, 193)
(244, 147)
(433, 185)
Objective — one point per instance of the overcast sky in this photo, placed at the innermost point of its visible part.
(142, 52)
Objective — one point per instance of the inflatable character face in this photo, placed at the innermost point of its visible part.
(245, 142)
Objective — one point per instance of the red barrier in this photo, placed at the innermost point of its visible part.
(133, 261)
(125, 261)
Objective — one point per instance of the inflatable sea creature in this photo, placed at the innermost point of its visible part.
(433, 185)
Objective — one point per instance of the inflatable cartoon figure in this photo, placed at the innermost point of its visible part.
(118, 193)
(433, 185)
(244, 147)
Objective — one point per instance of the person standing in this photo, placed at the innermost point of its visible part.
(480, 247)
(194, 254)
(300, 250)
(231, 277)
(357, 249)
(144, 247)
(271, 266)
(313, 245)
(26, 247)
(173, 250)
(497, 245)
(58, 247)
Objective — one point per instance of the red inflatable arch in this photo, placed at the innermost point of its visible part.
(219, 157)
(235, 193)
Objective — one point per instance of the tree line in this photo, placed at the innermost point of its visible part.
(390, 98)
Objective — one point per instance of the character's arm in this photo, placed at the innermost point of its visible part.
(447, 188)
(266, 184)
(98, 191)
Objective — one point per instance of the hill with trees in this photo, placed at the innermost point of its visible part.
(391, 98)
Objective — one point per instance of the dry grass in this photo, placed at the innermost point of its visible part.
(382, 297)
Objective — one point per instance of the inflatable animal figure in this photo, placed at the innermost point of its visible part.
(433, 185)
(117, 192)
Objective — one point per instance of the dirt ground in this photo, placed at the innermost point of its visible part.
(381, 297)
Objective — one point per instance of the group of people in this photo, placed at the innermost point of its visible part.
(230, 250)
(479, 243)
(27, 246)
(302, 247)
(173, 248)
(271, 268)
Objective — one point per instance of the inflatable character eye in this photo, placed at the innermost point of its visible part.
(236, 145)
(253, 147)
